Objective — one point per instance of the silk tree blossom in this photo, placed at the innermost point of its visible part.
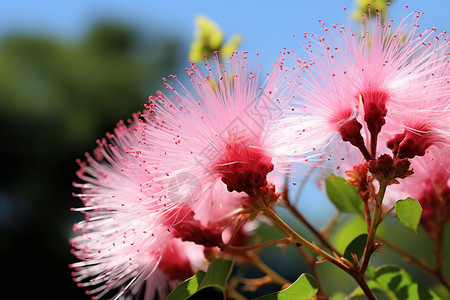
(225, 131)
(421, 118)
(353, 81)
(125, 245)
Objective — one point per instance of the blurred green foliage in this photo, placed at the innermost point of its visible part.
(209, 38)
(361, 6)
(109, 73)
(56, 99)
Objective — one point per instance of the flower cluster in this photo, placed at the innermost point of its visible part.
(387, 78)
(175, 187)
(124, 240)
(175, 177)
(386, 91)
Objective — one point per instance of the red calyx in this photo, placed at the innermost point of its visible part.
(243, 168)
(183, 225)
(409, 144)
(374, 110)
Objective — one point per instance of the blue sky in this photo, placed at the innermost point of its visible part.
(266, 26)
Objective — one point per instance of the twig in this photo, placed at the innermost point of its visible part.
(387, 211)
(254, 247)
(369, 249)
(313, 247)
(302, 219)
(308, 225)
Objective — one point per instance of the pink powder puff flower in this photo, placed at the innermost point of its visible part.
(354, 81)
(124, 244)
(420, 118)
(224, 135)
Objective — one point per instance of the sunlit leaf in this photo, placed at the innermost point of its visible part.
(218, 273)
(187, 287)
(348, 231)
(396, 283)
(343, 195)
(408, 212)
(305, 287)
(370, 272)
(203, 284)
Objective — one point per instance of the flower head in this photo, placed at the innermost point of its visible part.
(419, 119)
(125, 242)
(225, 131)
(355, 82)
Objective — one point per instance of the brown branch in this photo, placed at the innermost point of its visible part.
(369, 248)
(305, 222)
(231, 248)
(308, 225)
(337, 261)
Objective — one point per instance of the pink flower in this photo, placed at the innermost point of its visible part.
(363, 81)
(420, 118)
(125, 241)
(223, 135)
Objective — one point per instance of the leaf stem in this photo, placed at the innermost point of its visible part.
(364, 286)
(387, 211)
(308, 225)
(369, 249)
(295, 236)
(257, 246)
(359, 277)
(367, 214)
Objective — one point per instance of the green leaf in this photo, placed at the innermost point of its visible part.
(370, 272)
(396, 283)
(348, 231)
(441, 291)
(400, 283)
(408, 212)
(202, 284)
(187, 287)
(357, 247)
(339, 295)
(305, 287)
(343, 195)
(218, 273)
